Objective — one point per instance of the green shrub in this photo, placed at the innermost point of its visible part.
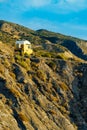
(21, 60)
(18, 57)
(52, 64)
(26, 55)
(23, 64)
(41, 74)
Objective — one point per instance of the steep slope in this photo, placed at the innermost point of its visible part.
(75, 45)
(47, 94)
(45, 91)
(10, 32)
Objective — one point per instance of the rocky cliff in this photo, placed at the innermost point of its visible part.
(44, 91)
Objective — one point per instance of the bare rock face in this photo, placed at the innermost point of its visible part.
(7, 121)
(43, 98)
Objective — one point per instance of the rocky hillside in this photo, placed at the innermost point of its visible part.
(46, 40)
(44, 91)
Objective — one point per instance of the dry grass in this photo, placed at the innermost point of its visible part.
(63, 86)
(12, 75)
(52, 112)
(53, 98)
(15, 92)
(23, 117)
(2, 69)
